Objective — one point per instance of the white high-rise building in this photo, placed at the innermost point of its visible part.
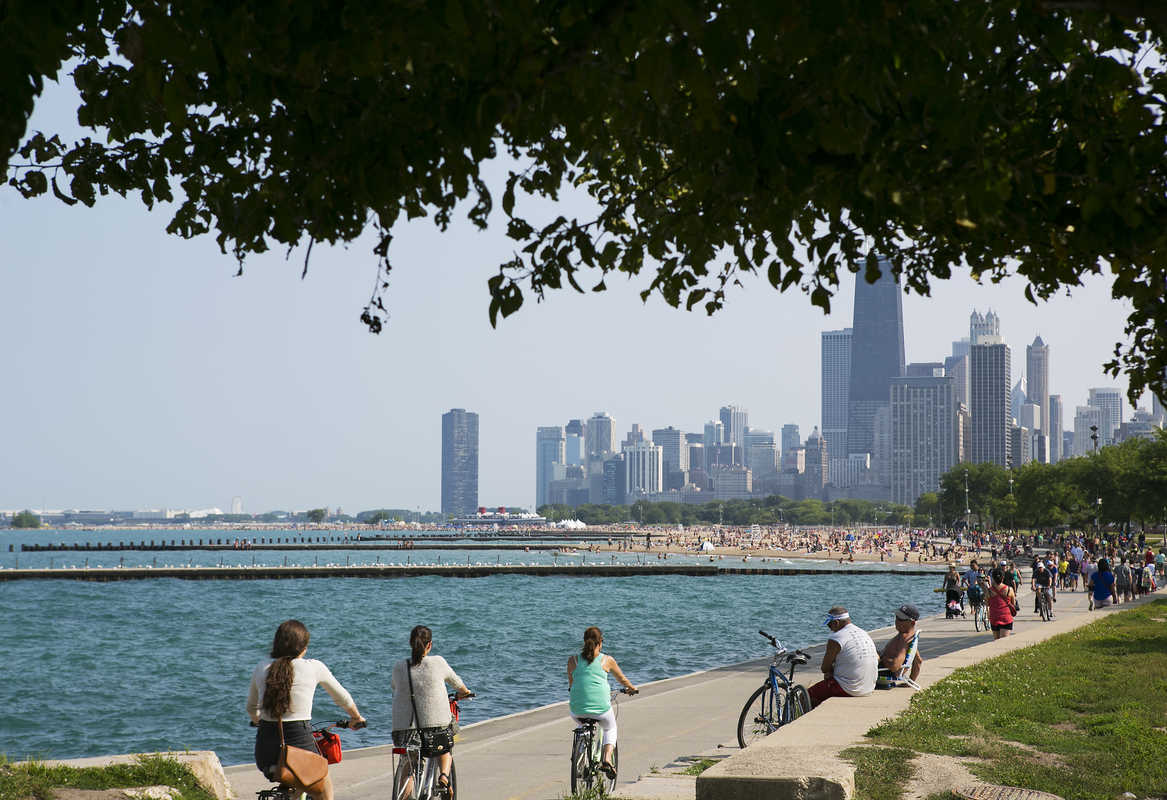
(1054, 429)
(644, 464)
(1109, 400)
(236, 505)
(1084, 418)
(714, 434)
(734, 421)
(836, 381)
(1037, 377)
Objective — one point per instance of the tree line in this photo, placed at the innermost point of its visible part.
(1123, 485)
(772, 510)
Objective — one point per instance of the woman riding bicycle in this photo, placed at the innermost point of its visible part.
(420, 699)
(282, 689)
(587, 683)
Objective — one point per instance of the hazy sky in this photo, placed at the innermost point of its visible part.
(141, 374)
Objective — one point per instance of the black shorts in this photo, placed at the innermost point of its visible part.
(267, 742)
(1006, 626)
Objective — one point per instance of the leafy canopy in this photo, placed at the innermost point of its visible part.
(714, 139)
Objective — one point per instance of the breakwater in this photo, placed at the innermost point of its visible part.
(594, 570)
(323, 544)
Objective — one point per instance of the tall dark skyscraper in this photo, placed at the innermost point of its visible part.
(877, 355)
(459, 462)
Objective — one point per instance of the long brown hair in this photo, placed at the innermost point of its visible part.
(593, 636)
(290, 640)
(419, 639)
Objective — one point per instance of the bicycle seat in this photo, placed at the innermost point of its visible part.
(798, 658)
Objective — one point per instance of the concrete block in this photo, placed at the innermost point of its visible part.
(777, 770)
(203, 763)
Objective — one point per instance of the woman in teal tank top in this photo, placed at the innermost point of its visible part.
(587, 683)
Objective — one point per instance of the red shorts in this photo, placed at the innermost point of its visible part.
(828, 687)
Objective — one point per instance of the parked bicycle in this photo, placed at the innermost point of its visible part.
(586, 755)
(415, 776)
(283, 791)
(777, 701)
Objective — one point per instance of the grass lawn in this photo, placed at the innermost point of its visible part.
(1082, 715)
(35, 780)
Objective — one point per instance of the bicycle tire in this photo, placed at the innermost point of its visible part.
(580, 755)
(758, 718)
(977, 617)
(453, 781)
(1043, 608)
(798, 699)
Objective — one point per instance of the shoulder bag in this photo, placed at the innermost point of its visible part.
(434, 741)
(298, 767)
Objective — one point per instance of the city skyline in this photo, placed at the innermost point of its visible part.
(148, 376)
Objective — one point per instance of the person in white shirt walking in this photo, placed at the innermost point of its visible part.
(851, 663)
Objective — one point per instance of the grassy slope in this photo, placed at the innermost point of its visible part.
(35, 780)
(1090, 704)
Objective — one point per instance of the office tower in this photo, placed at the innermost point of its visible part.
(734, 421)
(674, 456)
(925, 429)
(575, 443)
(696, 457)
(1053, 429)
(1018, 398)
(723, 455)
(1086, 417)
(761, 453)
(1110, 401)
(817, 465)
(732, 483)
(600, 435)
(236, 505)
(714, 434)
(836, 380)
(1067, 444)
(644, 464)
(956, 367)
(963, 433)
(549, 451)
(694, 438)
(984, 329)
(459, 462)
(877, 355)
(1030, 416)
(1037, 377)
(925, 369)
(881, 447)
(615, 480)
(990, 371)
(790, 438)
(961, 347)
(635, 434)
(1021, 445)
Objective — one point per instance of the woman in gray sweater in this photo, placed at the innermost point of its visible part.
(429, 675)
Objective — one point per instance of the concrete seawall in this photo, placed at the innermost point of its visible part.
(252, 573)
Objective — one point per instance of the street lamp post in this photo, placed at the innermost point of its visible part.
(1094, 436)
(967, 510)
(1012, 510)
(1097, 515)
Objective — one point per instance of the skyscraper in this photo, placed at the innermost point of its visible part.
(836, 368)
(1109, 400)
(761, 453)
(1017, 398)
(600, 435)
(877, 355)
(925, 427)
(575, 446)
(459, 462)
(956, 367)
(549, 451)
(817, 468)
(674, 456)
(790, 439)
(714, 434)
(644, 464)
(984, 329)
(1085, 418)
(1037, 371)
(734, 421)
(990, 371)
(1054, 429)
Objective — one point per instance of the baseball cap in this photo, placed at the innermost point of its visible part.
(908, 611)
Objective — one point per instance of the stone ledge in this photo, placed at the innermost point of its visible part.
(203, 763)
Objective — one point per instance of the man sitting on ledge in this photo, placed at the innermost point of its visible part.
(850, 663)
(895, 652)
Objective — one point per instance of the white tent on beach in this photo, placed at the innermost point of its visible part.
(706, 546)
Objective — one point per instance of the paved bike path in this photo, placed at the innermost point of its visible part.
(525, 756)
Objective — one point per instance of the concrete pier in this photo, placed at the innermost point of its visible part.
(595, 569)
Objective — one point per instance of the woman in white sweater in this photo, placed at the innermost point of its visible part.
(282, 689)
(429, 675)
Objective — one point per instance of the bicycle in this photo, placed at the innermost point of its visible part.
(1044, 606)
(980, 610)
(415, 775)
(284, 791)
(776, 702)
(587, 755)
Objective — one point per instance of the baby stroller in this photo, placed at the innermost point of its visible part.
(953, 603)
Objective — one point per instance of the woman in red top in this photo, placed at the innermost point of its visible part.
(1001, 601)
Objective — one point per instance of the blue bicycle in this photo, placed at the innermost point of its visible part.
(777, 701)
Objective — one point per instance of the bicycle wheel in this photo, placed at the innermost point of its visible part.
(453, 781)
(977, 617)
(759, 717)
(1043, 608)
(797, 701)
(580, 756)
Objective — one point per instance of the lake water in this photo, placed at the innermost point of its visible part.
(101, 668)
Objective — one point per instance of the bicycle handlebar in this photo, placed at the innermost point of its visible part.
(348, 723)
(773, 642)
(629, 692)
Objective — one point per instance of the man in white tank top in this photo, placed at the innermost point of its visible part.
(851, 663)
